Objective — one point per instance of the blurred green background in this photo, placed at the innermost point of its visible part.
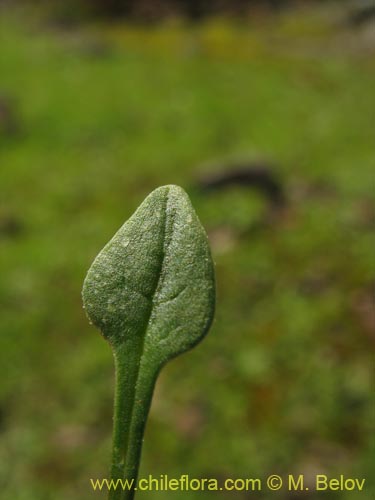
(97, 111)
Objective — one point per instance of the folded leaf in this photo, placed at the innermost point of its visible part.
(151, 292)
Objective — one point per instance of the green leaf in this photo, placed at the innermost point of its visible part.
(151, 292)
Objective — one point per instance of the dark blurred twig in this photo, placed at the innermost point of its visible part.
(259, 176)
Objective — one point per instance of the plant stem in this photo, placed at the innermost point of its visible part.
(133, 394)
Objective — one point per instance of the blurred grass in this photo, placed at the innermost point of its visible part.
(105, 114)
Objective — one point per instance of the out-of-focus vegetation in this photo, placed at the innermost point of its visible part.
(152, 10)
(94, 118)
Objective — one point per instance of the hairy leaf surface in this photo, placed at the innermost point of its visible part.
(151, 292)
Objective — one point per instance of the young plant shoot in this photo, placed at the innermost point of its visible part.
(151, 292)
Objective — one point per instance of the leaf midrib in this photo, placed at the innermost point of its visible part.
(166, 238)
